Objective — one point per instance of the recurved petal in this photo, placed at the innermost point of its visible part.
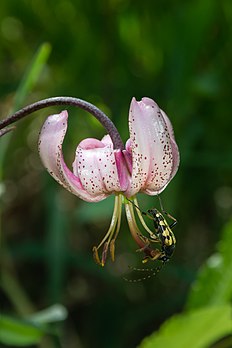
(95, 165)
(170, 159)
(151, 147)
(123, 163)
(50, 149)
(175, 150)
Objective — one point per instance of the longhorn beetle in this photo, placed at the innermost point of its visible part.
(164, 235)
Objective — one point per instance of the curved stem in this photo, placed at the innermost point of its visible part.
(92, 109)
(6, 130)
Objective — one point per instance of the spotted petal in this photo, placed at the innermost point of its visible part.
(175, 150)
(154, 155)
(96, 166)
(50, 148)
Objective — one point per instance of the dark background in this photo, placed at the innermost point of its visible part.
(176, 52)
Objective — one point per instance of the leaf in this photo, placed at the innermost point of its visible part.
(197, 329)
(32, 74)
(52, 314)
(29, 80)
(214, 282)
(18, 332)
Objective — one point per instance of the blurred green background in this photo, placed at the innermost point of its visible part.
(176, 52)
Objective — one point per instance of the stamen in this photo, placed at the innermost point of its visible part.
(135, 232)
(113, 222)
(96, 256)
(152, 235)
(112, 231)
(112, 249)
(112, 243)
(104, 253)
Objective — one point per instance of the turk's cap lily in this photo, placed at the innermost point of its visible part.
(103, 167)
(148, 163)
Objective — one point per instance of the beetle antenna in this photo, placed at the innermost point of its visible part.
(153, 270)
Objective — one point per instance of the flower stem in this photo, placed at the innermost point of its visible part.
(6, 130)
(92, 109)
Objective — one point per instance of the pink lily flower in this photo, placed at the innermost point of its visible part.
(147, 164)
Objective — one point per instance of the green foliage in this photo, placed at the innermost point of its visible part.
(176, 52)
(197, 328)
(32, 75)
(20, 333)
(213, 285)
(208, 314)
(15, 332)
(28, 82)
